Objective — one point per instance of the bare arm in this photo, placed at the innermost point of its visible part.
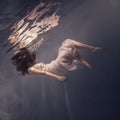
(42, 72)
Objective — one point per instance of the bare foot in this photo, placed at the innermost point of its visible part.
(94, 49)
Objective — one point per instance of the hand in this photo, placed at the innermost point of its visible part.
(61, 78)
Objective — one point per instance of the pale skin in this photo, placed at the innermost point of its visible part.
(83, 62)
(42, 72)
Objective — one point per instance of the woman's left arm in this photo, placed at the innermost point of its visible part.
(42, 72)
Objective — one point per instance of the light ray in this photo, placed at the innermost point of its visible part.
(40, 20)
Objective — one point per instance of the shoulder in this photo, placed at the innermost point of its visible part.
(31, 69)
(40, 66)
(34, 67)
(37, 65)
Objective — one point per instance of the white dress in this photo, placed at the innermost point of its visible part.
(67, 59)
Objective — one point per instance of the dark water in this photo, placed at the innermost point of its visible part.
(88, 94)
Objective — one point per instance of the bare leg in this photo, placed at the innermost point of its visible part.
(81, 45)
(84, 63)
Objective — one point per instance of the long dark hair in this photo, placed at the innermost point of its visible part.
(23, 60)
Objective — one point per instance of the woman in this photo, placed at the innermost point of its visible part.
(68, 59)
(24, 60)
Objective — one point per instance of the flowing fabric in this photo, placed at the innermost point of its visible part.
(67, 59)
